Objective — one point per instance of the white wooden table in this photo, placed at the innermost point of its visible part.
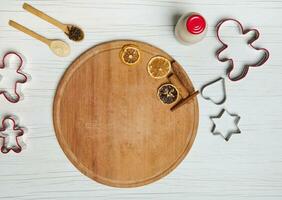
(249, 166)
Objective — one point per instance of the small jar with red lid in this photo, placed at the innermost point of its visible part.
(191, 28)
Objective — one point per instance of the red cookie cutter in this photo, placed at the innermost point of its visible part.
(17, 131)
(24, 80)
(250, 42)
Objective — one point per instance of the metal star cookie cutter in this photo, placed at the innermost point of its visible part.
(18, 71)
(219, 102)
(230, 132)
(17, 131)
(249, 42)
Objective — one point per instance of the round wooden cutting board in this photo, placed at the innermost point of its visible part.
(110, 123)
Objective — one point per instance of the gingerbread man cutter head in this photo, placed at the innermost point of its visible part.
(21, 78)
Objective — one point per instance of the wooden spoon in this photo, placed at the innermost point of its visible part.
(58, 47)
(73, 32)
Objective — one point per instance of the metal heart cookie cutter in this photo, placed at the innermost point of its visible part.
(22, 78)
(249, 42)
(220, 100)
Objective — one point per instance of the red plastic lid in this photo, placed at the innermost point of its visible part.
(196, 24)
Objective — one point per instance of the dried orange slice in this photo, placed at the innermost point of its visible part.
(167, 93)
(130, 54)
(159, 67)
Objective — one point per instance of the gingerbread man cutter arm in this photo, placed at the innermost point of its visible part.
(19, 132)
(24, 80)
(250, 43)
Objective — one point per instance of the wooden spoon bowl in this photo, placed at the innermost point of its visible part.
(59, 48)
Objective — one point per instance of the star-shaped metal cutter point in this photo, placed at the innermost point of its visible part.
(236, 119)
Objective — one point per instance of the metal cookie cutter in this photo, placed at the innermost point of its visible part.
(206, 86)
(216, 131)
(22, 78)
(250, 43)
(10, 135)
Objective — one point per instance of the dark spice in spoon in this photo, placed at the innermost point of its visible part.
(75, 33)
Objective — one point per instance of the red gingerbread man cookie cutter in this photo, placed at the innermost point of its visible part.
(18, 71)
(10, 137)
(250, 43)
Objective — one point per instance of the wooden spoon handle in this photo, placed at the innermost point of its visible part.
(45, 17)
(29, 32)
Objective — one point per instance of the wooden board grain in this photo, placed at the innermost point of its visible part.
(110, 123)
